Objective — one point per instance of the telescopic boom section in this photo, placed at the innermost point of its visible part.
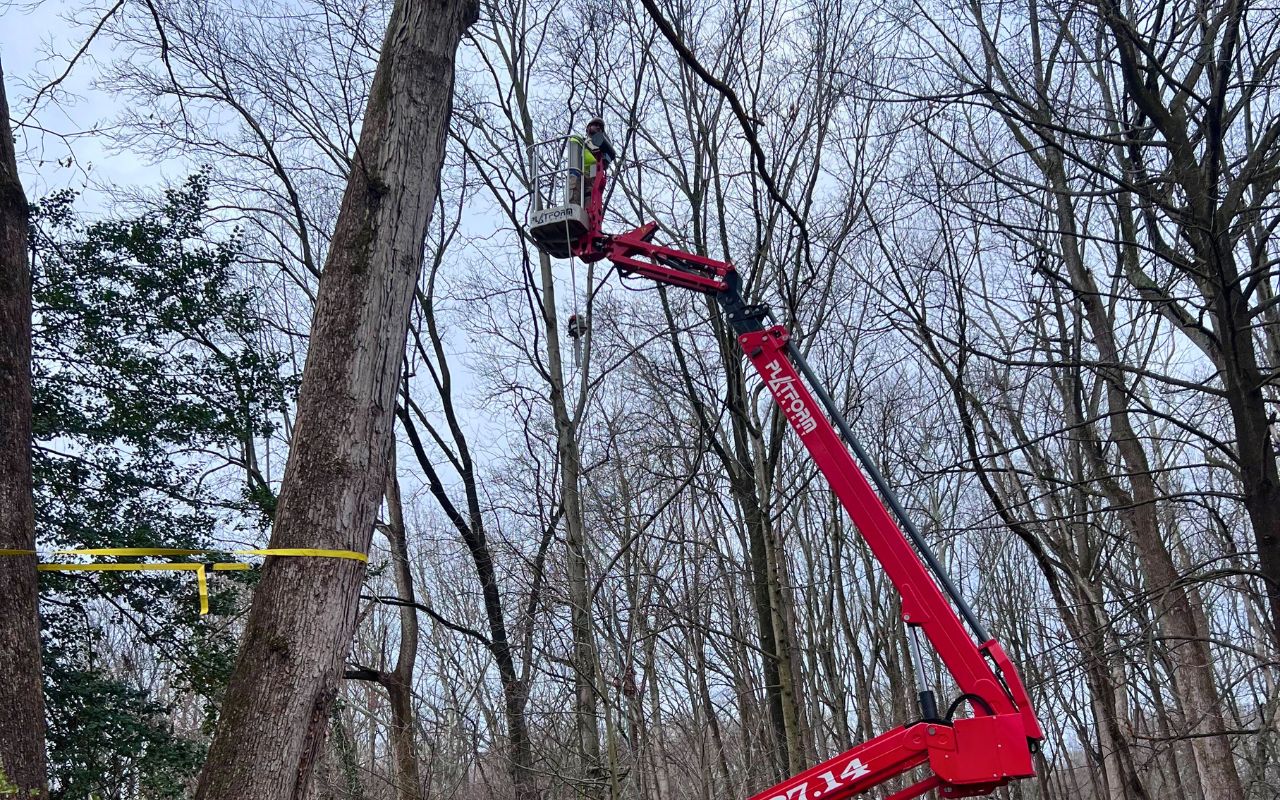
(967, 756)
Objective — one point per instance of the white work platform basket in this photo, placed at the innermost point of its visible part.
(557, 216)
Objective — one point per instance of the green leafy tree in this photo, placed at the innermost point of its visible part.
(107, 738)
(152, 380)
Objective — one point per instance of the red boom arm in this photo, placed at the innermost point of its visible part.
(967, 756)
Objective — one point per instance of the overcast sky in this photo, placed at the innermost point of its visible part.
(36, 39)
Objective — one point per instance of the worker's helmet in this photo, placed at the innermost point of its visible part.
(596, 121)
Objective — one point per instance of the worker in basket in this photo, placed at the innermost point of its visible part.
(595, 148)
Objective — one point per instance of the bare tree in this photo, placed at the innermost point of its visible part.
(275, 712)
(398, 681)
(1189, 170)
(632, 581)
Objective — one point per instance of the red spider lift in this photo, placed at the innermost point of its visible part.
(965, 756)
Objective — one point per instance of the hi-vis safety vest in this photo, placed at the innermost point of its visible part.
(588, 158)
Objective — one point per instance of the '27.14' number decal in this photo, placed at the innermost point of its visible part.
(852, 771)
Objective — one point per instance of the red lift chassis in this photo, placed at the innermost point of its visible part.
(967, 756)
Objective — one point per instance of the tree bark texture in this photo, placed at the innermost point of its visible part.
(276, 708)
(22, 755)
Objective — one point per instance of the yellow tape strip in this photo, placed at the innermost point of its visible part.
(171, 551)
(134, 551)
(202, 581)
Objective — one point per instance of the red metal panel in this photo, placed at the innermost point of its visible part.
(869, 764)
(984, 750)
(917, 789)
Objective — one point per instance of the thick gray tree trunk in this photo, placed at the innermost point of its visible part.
(276, 708)
(22, 756)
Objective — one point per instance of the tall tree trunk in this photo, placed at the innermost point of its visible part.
(1187, 635)
(399, 681)
(751, 488)
(1243, 379)
(584, 648)
(781, 611)
(22, 756)
(750, 493)
(1209, 222)
(471, 528)
(304, 610)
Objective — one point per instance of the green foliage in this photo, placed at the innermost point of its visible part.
(107, 739)
(152, 379)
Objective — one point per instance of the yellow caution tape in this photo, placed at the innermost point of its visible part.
(134, 551)
(202, 581)
(199, 568)
(172, 551)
